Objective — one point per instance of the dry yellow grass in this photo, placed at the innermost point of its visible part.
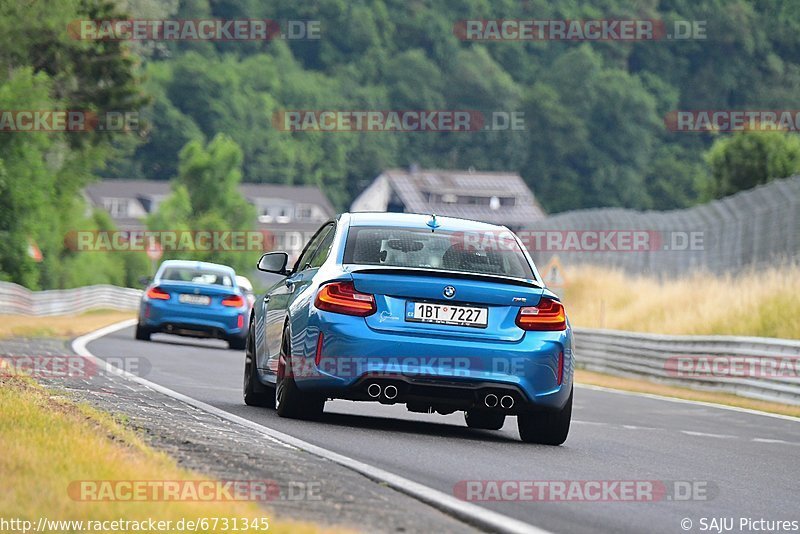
(757, 303)
(65, 326)
(48, 442)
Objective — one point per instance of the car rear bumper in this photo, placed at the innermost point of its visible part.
(191, 320)
(449, 370)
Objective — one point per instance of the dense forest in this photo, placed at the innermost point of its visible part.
(594, 131)
(594, 111)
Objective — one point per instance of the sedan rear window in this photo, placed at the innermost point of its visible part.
(487, 252)
(196, 276)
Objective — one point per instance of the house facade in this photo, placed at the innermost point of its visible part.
(493, 197)
(290, 214)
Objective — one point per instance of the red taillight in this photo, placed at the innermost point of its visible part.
(318, 356)
(156, 293)
(560, 376)
(240, 321)
(235, 301)
(547, 315)
(342, 297)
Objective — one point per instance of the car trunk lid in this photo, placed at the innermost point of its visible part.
(395, 289)
(214, 292)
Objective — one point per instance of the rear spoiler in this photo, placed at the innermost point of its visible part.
(374, 269)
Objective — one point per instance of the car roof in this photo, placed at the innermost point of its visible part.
(243, 282)
(418, 220)
(200, 265)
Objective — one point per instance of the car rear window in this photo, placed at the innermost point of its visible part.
(197, 276)
(494, 252)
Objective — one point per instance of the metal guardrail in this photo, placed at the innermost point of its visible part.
(17, 300)
(674, 360)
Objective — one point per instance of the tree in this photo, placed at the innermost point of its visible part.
(747, 159)
(43, 67)
(206, 198)
(590, 143)
(593, 110)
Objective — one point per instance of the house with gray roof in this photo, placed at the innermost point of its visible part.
(493, 197)
(290, 213)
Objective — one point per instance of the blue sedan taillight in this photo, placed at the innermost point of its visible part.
(548, 315)
(156, 293)
(234, 301)
(342, 297)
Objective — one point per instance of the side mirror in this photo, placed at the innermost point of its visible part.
(145, 280)
(273, 262)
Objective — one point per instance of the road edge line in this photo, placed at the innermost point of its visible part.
(461, 510)
(688, 401)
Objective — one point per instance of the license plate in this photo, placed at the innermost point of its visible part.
(425, 312)
(202, 300)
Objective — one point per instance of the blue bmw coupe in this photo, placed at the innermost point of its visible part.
(196, 299)
(437, 313)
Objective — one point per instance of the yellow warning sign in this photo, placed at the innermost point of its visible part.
(553, 273)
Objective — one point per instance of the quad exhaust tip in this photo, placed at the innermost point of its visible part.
(375, 390)
(507, 402)
(490, 400)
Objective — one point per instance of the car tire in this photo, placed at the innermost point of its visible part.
(290, 401)
(254, 392)
(142, 332)
(237, 343)
(546, 428)
(484, 419)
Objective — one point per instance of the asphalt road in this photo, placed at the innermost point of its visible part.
(743, 465)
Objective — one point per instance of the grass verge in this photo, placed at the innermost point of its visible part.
(48, 442)
(754, 303)
(642, 385)
(59, 326)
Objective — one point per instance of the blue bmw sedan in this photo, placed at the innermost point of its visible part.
(437, 313)
(196, 299)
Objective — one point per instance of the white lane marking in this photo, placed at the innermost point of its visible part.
(594, 423)
(686, 401)
(467, 512)
(79, 346)
(779, 441)
(707, 435)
